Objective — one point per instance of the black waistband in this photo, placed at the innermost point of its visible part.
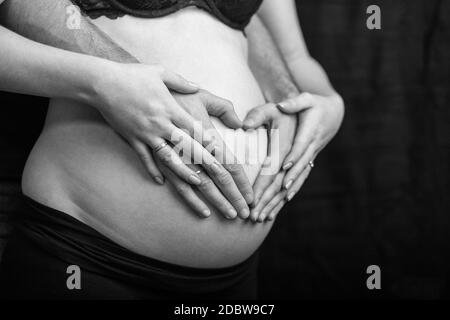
(75, 242)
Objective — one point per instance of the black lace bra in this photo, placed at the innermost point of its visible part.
(234, 13)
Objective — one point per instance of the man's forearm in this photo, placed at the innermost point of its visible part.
(45, 21)
(280, 19)
(267, 64)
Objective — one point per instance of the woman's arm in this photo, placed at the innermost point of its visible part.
(319, 109)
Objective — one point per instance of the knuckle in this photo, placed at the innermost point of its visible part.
(182, 188)
(205, 185)
(144, 156)
(234, 169)
(165, 156)
(238, 202)
(224, 178)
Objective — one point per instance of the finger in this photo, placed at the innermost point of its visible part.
(164, 152)
(222, 109)
(221, 176)
(208, 137)
(271, 206)
(176, 82)
(267, 196)
(196, 129)
(305, 136)
(187, 194)
(298, 184)
(293, 173)
(260, 115)
(276, 210)
(215, 144)
(237, 172)
(261, 184)
(147, 159)
(213, 195)
(301, 102)
(272, 164)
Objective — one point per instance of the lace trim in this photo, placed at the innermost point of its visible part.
(97, 8)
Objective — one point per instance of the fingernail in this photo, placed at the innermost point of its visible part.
(245, 213)
(288, 184)
(281, 106)
(261, 219)
(287, 166)
(194, 179)
(159, 180)
(255, 215)
(193, 84)
(206, 213)
(231, 214)
(290, 196)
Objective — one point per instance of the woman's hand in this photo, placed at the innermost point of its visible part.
(268, 184)
(135, 100)
(319, 118)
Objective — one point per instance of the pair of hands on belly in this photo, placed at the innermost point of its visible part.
(164, 109)
(299, 128)
(305, 125)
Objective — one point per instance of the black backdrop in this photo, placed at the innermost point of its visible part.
(378, 194)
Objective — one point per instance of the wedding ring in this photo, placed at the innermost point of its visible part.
(162, 145)
(311, 164)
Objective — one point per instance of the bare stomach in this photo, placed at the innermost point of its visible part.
(81, 167)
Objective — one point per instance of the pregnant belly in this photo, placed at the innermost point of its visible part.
(80, 166)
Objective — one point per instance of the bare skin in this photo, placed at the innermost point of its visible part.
(206, 86)
(80, 166)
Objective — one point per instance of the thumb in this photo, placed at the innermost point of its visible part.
(223, 109)
(258, 116)
(177, 83)
(297, 104)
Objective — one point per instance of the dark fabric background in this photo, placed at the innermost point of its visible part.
(378, 193)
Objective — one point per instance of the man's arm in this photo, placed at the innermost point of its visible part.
(267, 64)
(280, 18)
(46, 21)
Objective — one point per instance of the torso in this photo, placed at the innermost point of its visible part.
(82, 167)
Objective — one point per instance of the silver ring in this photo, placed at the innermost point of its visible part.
(311, 164)
(162, 145)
